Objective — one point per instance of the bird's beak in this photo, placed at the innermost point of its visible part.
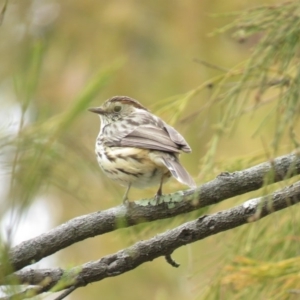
(96, 110)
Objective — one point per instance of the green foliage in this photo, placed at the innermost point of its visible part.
(39, 150)
(273, 66)
(269, 265)
(268, 77)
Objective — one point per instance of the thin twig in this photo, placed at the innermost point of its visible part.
(66, 293)
(171, 261)
(210, 65)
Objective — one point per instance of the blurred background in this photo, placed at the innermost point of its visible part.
(60, 57)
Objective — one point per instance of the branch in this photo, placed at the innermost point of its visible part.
(225, 186)
(162, 244)
(27, 293)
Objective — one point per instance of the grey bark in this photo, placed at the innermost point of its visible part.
(225, 186)
(162, 244)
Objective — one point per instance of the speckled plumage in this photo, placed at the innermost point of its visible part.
(136, 148)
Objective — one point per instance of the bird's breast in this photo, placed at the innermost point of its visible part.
(130, 165)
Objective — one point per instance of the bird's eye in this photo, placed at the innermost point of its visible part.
(117, 108)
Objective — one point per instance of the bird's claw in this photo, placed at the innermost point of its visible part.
(157, 198)
(126, 201)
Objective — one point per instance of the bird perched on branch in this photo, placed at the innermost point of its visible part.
(136, 148)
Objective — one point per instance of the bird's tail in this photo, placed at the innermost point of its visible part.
(178, 171)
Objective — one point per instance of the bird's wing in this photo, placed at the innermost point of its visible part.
(177, 138)
(150, 137)
(152, 133)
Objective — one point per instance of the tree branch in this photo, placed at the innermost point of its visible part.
(162, 244)
(225, 186)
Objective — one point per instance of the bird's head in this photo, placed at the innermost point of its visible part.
(117, 108)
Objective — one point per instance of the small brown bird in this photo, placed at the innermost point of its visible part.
(136, 148)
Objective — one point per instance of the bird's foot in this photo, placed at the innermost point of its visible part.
(126, 201)
(157, 198)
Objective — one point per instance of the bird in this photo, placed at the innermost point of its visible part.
(136, 148)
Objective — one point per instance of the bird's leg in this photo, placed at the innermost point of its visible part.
(125, 198)
(159, 192)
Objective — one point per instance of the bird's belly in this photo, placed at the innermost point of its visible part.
(130, 165)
